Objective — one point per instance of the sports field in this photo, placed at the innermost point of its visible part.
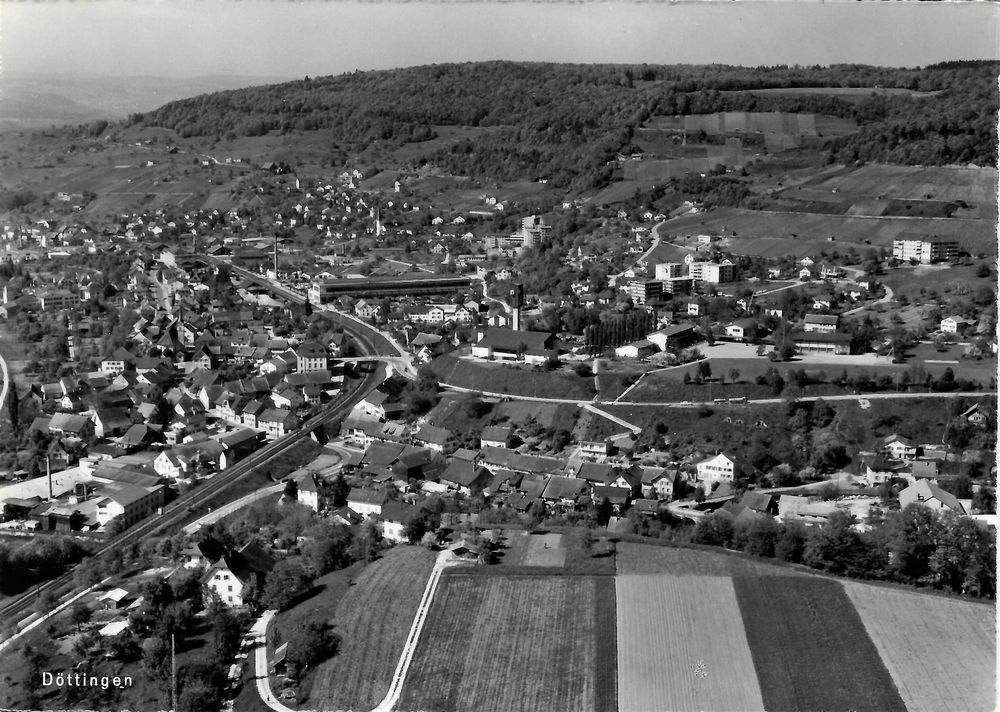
(681, 646)
(526, 643)
(940, 652)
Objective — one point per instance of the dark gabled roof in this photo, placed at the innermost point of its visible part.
(465, 474)
(363, 495)
(512, 460)
(825, 319)
(615, 495)
(432, 434)
(559, 487)
(211, 548)
(537, 342)
(496, 432)
(399, 512)
(757, 501)
(383, 453)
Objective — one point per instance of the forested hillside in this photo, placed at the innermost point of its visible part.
(565, 122)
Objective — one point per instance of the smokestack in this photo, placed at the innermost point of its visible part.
(275, 256)
(48, 472)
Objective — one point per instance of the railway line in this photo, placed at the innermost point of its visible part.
(17, 609)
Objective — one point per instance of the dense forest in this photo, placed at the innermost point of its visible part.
(564, 123)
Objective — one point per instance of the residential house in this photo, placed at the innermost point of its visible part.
(954, 325)
(496, 436)
(821, 323)
(231, 574)
(930, 495)
(366, 502)
(898, 447)
(466, 477)
(432, 437)
(394, 519)
(720, 468)
(277, 423)
(742, 329)
(312, 357)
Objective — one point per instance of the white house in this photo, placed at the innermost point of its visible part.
(366, 502)
(229, 576)
(953, 324)
(719, 468)
(898, 447)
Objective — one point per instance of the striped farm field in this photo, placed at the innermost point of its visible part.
(940, 652)
(681, 646)
(526, 643)
(810, 648)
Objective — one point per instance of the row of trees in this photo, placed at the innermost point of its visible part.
(915, 545)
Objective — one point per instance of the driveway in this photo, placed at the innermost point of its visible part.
(259, 633)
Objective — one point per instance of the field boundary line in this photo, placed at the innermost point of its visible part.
(444, 560)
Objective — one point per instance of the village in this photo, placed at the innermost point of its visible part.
(163, 351)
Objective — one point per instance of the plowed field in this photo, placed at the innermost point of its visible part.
(525, 643)
(940, 652)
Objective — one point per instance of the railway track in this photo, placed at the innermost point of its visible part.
(19, 608)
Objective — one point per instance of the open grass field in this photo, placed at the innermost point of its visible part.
(681, 646)
(944, 183)
(774, 233)
(525, 381)
(810, 647)
(650, 559)
(940, 652)
(502, 643)
(372, 619)
(527, 549)
(919, 284)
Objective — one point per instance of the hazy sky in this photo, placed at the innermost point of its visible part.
(184, 38)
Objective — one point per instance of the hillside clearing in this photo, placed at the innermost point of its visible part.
(706, 665)
(372, 620)
(940, 652)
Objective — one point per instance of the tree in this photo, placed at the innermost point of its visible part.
(604, 512)
(714, 530)
(984, 501)
(339, 489)
(835, 546)
(734, 375)
(759, 537)
(330, 548)
(288, 580)
(704, 370)
(911, 537)
(791, 543)
(80, 614)
(309, 643)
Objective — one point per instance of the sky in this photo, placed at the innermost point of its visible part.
(188, 38)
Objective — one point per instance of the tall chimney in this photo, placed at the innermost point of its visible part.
(48, 472)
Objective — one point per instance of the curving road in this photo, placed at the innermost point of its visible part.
(6, 381)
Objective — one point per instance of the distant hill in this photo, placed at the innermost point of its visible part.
(565, 123)
(35, 101)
